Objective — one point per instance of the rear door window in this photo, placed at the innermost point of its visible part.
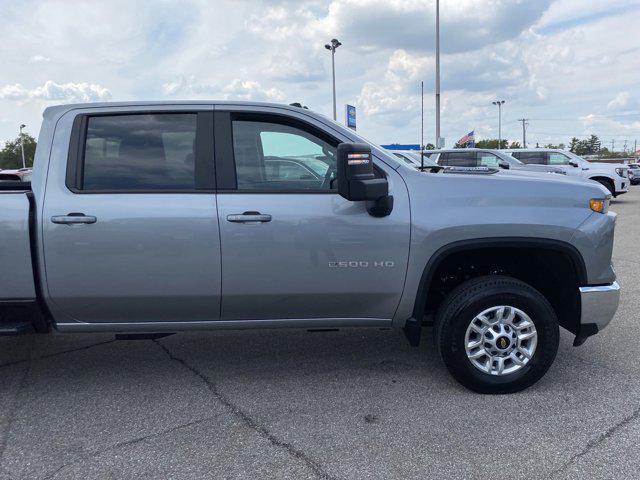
(140, 152)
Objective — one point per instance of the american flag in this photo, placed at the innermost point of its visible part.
(468, 138)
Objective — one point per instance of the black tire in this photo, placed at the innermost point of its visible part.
(474, 296)
(608, 184)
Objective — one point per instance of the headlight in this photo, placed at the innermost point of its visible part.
(620, 171)
(599, 205)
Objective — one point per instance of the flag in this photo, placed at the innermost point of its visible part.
(468, 138)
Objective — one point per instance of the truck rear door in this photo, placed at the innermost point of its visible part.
(130, 228)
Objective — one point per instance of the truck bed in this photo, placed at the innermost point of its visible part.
(16, 269)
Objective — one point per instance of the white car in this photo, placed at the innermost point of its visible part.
(614, 176)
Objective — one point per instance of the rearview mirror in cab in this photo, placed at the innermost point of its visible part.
(357, 180)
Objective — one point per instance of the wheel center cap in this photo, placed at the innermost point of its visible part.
(503, 342)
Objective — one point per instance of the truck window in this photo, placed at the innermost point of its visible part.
(486, 159)
(556, 158)
(273, 156)
(531, 158)
(458, 159)
(140, 152)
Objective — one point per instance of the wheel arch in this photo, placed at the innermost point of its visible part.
(451, 249)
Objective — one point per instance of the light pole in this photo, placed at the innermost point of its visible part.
(24, 165)
(438, 74)
(332, 46)
(499, 103)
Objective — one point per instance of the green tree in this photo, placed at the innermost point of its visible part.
(515, 145)
(491, 143)
(593, 144)
(11, 154)
(573, 144)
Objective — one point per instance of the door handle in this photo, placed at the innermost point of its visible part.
(73, 218)
(248, 217)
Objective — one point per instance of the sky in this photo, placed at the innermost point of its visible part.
(572, 67)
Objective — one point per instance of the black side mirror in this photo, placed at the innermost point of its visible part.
(505, 165)
(573, 164)
(357, 181)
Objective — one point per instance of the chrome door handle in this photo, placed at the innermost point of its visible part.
(73, 218)
(248, 217)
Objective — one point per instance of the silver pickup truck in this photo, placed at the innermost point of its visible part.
(151, 218)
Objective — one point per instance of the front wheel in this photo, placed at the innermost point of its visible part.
(496, 334)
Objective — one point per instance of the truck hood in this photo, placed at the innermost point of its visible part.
(509, 188)
(539, 168)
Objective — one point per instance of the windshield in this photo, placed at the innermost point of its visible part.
(573, 156)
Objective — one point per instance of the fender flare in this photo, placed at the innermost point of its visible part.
(492, 242)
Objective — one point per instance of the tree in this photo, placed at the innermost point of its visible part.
(491, 143)
(593, 144)
(429, 146)
(515, 145)
(11, 154)
(573, 144)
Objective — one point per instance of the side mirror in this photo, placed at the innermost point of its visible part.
(505, 165)
(357, 181)
(573, 164)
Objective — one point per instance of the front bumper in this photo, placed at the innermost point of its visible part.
(622, 185)
(598, 306)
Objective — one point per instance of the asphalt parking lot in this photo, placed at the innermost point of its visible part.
(335, 405)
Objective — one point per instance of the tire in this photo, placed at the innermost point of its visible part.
(608, 184)
(464, 304)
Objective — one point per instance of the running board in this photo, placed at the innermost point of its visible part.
(15, 328)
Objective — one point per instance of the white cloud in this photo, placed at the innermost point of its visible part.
(39, 59)
(52, 91)
(619, 102)
(235, 90)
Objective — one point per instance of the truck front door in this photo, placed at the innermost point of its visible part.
(292, 248)
(130, 228)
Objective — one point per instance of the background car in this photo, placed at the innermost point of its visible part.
(413, 157)
(19, 175)
(634, 173)
(612, 175)
(479, 157)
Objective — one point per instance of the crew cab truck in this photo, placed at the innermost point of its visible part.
(614, 176)
(154, 218)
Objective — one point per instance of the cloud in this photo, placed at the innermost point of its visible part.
(52, 91)
(619, 102)
(235, 90)
(39, 59)
(370, 25)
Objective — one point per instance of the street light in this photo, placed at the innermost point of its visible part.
(24, 165)
(499, 103)
(332, 46)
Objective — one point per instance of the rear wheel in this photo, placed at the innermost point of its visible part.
(496, 334)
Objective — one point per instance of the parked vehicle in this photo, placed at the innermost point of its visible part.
(479, 157)
(612, 175)
(414, 158)
(18, 175)
(634, 173)
(151, 218)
